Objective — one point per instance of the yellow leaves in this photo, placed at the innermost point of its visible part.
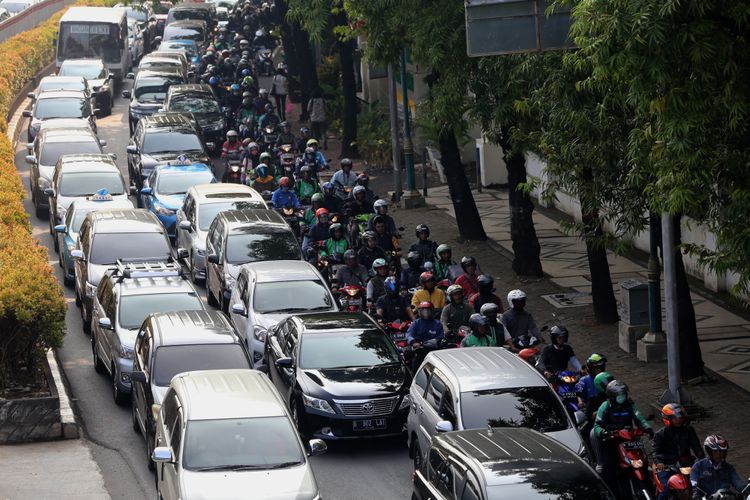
(658, 105)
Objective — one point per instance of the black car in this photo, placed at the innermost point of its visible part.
(143, 14)
(161, 138)
(201, 102)
(340, 375)
(149, 92)
(100, 80)
(518, 463)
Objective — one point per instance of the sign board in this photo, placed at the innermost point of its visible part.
(93, 29)
(496, 27)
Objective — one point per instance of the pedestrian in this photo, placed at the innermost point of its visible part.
(279, 90)
(317, 109)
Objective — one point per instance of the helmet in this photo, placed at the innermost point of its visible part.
(285, 182)
(369, 235)
(390, 284)
(305, 169)
(304, 131)
(328, 186)
(515, 295)
(558, 331)
(601, 381)
(265, 156)
(377, 264)
(231, 133)
(284, 124)
(317, 197)
(413, 259)
(350, 254)
(248, 81)
(311, 142)
(489, 308)
(673, 414)
(425, 277)
(213, 80)
(235, 87)
(363, 179)
(452, 290)
(263, 92)
(715, 442)
(678, 482)
(335, 227)
(477, 320)
(617, 392)
(596, 360)
(309, 151)
(428, 266)
(425, 309)
(261, 170)
(468, 260)
(245, 73)
(380, 204)
(441, 249)
(358, 189)
(422, 228)
(268, 107)
(484, 282)
(246, 101)
(252, 145)
(344, 162)
(528, 355)
(321, 211)
(244, 42)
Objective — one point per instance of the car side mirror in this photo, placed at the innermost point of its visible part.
(49, 192)
(157, 39)
(29, 147)
(133, 191)
(580, 418)
(316, 447)
(162, 455)
(31, 159)
(131, 149)
(443, 426)
(191, 74)
(139, 377)
(211, 145)
(96, 111)
(31, 95)
(186, 225)
(102, 142)
(182, 253)
(126, 94)
(147, 191)
(161, 110)
(60, 228)
(284, 363)
(130, 76)
(77, 254)
(26, 113)
(105, 323)
(213, 258)
(239, 308)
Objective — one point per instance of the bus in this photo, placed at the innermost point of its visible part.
(95, 32)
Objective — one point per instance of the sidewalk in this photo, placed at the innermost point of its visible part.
(55, 470)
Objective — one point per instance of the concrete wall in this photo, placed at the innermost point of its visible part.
(29, 18)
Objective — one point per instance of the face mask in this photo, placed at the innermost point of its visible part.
(621, 398)
(284, 188)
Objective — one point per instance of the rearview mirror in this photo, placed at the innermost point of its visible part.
(139, 377)
(130, 76)
(126, 94)
(580, 418)
(31, 95)
(239, 308)
(26, 113)
(29, 147)
(132, 149)
(60, 228)
(157, 39)
(284, 363)
(77, 254)
(133, 190)
(316, 447)
(211, 145)
(113, 155)
(105, 323)
(186, 225)
(147, 191)
(162, 455)
(49, 192)
(102, 142)
(30, 159)
(182, 253)
(443, 426)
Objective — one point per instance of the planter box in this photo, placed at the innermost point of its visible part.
(31, 419)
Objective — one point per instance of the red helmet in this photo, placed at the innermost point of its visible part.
(320, 211)
(528, 354)
(673, 414)
(285, 182)
(425, 277)
(425, 305)
(678, 482)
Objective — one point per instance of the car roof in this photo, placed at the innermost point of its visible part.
(189, 6)
(192, 327)
(167, 120)
(116, 203)
(155, 286)
(187, 23)
(81, 161)
(251, 216)
(83, 62)
(135, 220)
(61, 94)
(58, 78)
(281, 270)
(166, 72)
(68, 135)
(221, 394)
(65, 123)
(332, 321)
(93, 14)
(88, 167)
(188, 88)
(221, 191)
(482, 368)
(163, 54)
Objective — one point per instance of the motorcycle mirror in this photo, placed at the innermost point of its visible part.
(580, 418)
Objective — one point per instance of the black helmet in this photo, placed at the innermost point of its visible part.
(558, 331)
(422, 228)
(476, 320)
(346, 162)
(466, 260)
(350, 254)
(715, 442)
(335, 227)
(414, 259)
(484, 283)
(616, 388)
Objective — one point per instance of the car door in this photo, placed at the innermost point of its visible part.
(148, 200)
(183, 214)
(141, 389)
(110, 338)
(275, 343)
(171, 471)
(211, 268)
(430, 416)
(417, 392)
(80, 265)
(239, 296)
(98, 311)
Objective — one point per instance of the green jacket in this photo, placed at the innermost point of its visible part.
(442, 270)
(336, 246)
(610, 419)
(472, 340)
(306, 189)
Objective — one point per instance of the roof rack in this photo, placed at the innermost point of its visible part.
(147, 268)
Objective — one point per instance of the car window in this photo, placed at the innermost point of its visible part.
(77, 184)
(536, 407)
(291, 341)
(262, 245)
(447, 411)
(52, 151)
(471, 490)
(110, 303)
(440, 473)
(304, 295)
(187, 207)
(175, 437)
(84, 238)
(208, 211)
(169, 142)
(144, 348)
(176, 183)
(174, 359)
(435, 392)
(169, 409)
(242, 286)
(219, 243)
(423, 376)
(135, 308)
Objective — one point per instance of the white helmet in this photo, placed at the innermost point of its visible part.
(515, 295)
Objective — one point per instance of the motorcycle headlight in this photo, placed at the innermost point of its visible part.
(126, 352)
(637, 464)
(317, 404)
(162, 210)
(90, 290)
(259, 333)
(405, 402)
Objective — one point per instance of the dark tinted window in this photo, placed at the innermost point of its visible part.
(193, 104)
(423, 376)
(171, 360)
(88, 183)
(262, 245)
(135, 308)
(52, 151)
(153, 88)
(64, 107)
(108, 248)
(552, 479)
(302, 295)
(88, 71)
(171, 142)
(182, 33)
(435, 392)
(534, 407)
(347, 349)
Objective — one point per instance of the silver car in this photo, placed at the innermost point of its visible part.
(267, 292)
(59, 104)
(56, 82)
(225, 434)
(202, 203)
(476, 387)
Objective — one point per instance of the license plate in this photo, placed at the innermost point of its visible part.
(398, 336)
(354, 302)
(369, 425)
(633, 445)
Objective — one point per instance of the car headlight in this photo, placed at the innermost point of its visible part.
(90, 290)
(44, 183)
(162, 210)
(125, 352)
(259, 333)
(405, 402)
(317, 404)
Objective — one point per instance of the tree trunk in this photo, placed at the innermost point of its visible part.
(691, 359)
(467, 216)
(349, 92)
(605, 305)
(526, 249)
(301, 62)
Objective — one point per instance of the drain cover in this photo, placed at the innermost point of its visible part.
(573, 299)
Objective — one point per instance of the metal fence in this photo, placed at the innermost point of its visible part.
(31, 17)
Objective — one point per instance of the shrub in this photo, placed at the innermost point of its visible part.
(374, 135)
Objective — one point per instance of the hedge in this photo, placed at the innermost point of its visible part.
(32, 306)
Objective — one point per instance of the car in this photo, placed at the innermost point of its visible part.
(237, 237)
(124, 297)
(201, 102)
(136, 44)
(62, 123)
(149, 91)
(164, 190)
(56, 82)
(143, 15)
(162, 138)
(4, 14)
(46, 150)
(189, 29)
(66, 234)
(473, 387)
(340, 374)
(268, 292)
(161, 22)
(14, 7)
(240, 437)
(493, 463)
(107, 236)
(175, 60)
(59, 104)
(175, 342)
(187, 47)
(202, 203)
(184, 11)
(80, 176)
(99, 79)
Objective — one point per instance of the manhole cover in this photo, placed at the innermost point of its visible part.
(573, 299)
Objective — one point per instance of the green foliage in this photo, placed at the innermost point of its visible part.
(374, 135)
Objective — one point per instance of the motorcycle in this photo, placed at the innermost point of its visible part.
(247, 126)
(632, 476)
(357, 226)
(526, 345)
(728, 495)
(233, 171)
(396, 330)
(351, 298)
(673, 469)
(564, 384)
(292, 217)
(269, 135)
(229, 118)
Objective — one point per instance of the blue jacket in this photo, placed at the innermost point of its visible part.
(421, 330)
(281, 199)
(321, 159)
(585, 387)
(710, 479)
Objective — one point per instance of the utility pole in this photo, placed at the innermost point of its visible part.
(395, 151)
(411, 198)
(653, 346)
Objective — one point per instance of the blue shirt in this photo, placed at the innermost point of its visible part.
(585, 387)
(710, 479)
(281, 199)
(320, 159)
(421, 330)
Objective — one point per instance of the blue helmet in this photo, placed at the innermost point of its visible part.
(390, 284)
(213, 80)
(261, 170)
(328, 186)
(235, 87)
(245, 72)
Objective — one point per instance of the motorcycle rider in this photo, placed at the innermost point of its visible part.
(425, 333)
(481, 335)
(424, 246)
(309, 159)
(358, 204)
(233, 100)
(284, 196)
(260, 101)
(353, 273)
(714, 473)
(247, 115)
(316, 203)
(428, 293)
(336, 245)
(558, 355)
(313, 143)
(286, 136)
(264, 181)
(376, 285)
(364, 180)
(381, 210)
(496, 329)
(306, 185)
(392, 306)
(387, 241)
(444, 262)
(370, 251)
(674, 444)
(331, 201)
(304, 136)
(486, 293)
(320, 231)
(469, 279)
(251, 155)
(457, 312)
(410, 275)
(269, 118)
(595, 364)
(232, 145)
(344, 178)
(517, 320)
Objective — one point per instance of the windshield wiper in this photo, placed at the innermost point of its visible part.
(240, 467)
(287, 310)
(281, 465)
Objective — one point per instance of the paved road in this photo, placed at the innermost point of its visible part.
(348, 471)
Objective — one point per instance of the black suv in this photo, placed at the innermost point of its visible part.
(149, 92)
(340, 374)
(162, 138)
(482, 464)
(201, 102)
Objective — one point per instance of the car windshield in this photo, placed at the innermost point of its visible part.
(52, 151)
(320, 351)
(262, 245)
(534, 407)
(171, 142)
(547, 480)
(160, 63)
(189, 49)
(135, 13)
(88, 183)
(180, 33)
(193, 104)
(171, 360)
(62, 107)
(180, 182)
(208, 211)
(135, 308)
(241, 443)
(186, 15)
(54, 84)
(153, 88)
(88, 71)
(305, 295)
(108, 248)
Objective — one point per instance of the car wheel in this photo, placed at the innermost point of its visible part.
(86, 318)
(69, 282)
(41, 212)
(416, 453)
(98, 363)
(136, 427)
(210, 297)
(120, 397)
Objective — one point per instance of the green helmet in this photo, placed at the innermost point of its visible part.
(443, 248)
(317, 197)
(248, 81)
(601, 381)
(265, 156)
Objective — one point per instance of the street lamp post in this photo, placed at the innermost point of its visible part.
(411, 198)
(393, 113)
